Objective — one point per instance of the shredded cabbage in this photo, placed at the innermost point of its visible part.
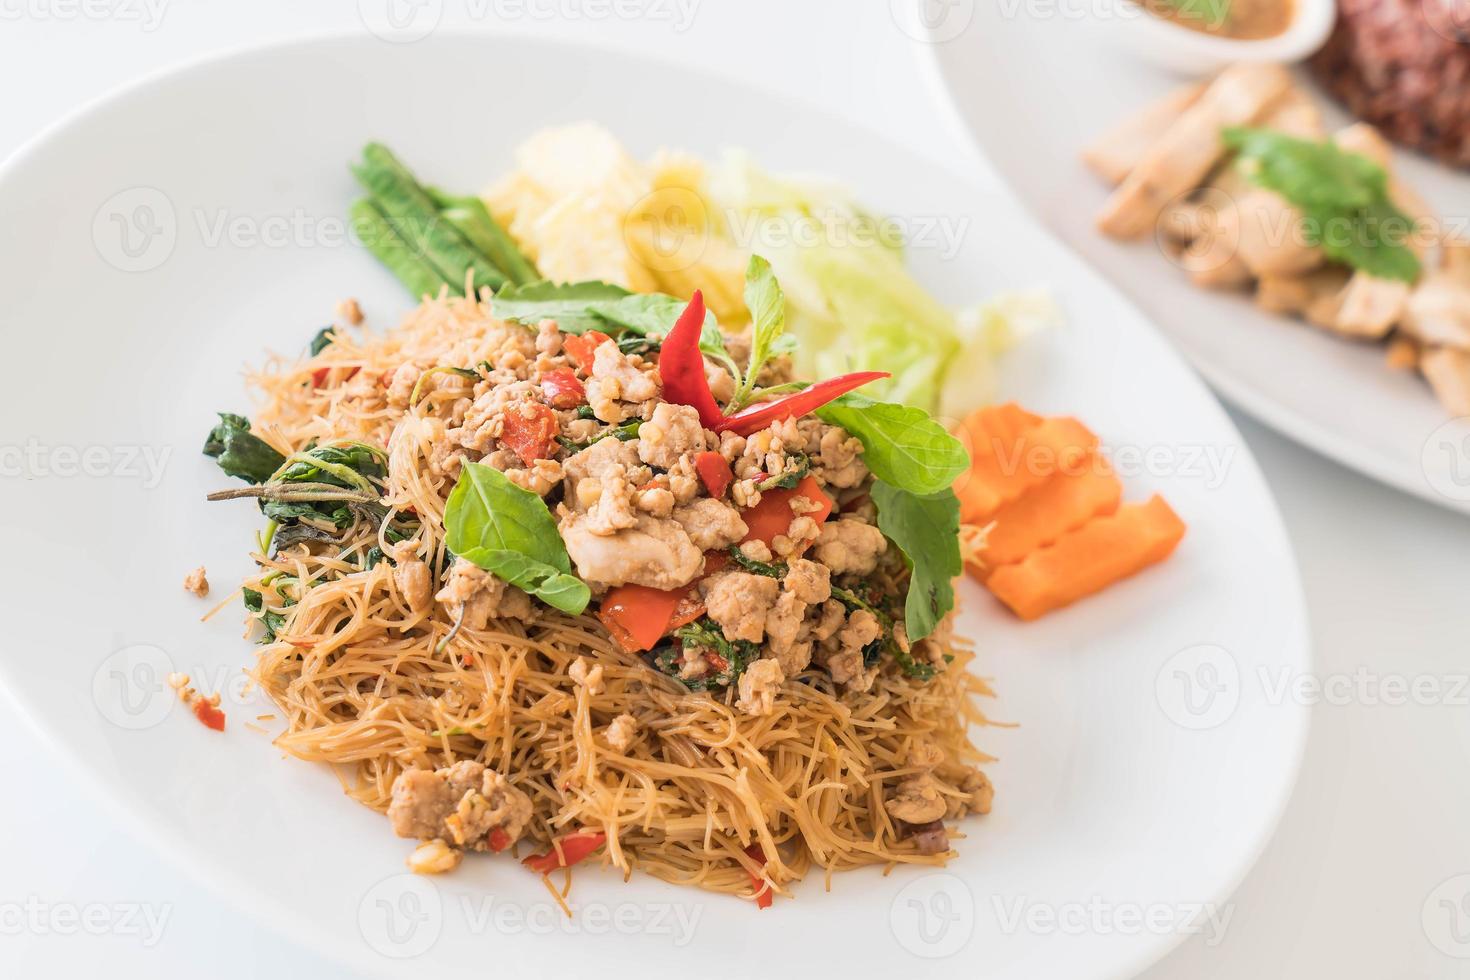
(851, 300)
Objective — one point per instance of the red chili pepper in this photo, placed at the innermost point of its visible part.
(499, 840)
(530, 429)
(581, 348)
(211, 716)
(757, 417)
(574, 848)
(562, 388)
(764, 895)
(681, 366)
(715, 472)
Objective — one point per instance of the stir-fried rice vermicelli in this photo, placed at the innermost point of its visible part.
(377, 682)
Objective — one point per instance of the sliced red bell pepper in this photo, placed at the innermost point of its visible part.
(715, 473)
(637, 616)
(757, 417)
(574, 849)
(581, 348)
(763, 894)
(209, 715)
(773, 515)
(562, 389)
(681, 366)
(690, 608)
(530, 431)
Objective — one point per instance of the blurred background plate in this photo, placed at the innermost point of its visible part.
(1022, 79)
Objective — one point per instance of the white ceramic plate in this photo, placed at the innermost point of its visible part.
(1150, 767)
(1034, 90)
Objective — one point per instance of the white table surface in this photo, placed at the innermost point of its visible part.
(1361, 878)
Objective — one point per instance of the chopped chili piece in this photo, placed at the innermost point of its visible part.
(581, 348)
(763, 894)
(714, 472)
(574, 848)
(499, 840)
(209, 714)
(562, 388)
(757, 417)
(530, 431)
(319, 376)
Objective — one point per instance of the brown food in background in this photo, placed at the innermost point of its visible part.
(1404, 66)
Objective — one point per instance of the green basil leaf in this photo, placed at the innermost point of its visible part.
(571, 305)
(487, 516)
(582, 306)
(322, 340)
(239, 453)
(767, 305)
(555, 588)
(927, 530)
(902, 445)
(1343, 197)
(650, 313)
(766, 302)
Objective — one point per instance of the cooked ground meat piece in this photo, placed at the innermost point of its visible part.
(758, 686)
(196, 582)
(612, 511)
(656, 553)
(738, 602)
(1404, 66)
(411, 576)
(482, 597)
(929, 838)
(587, 674)
(916, 800)
(672, 432)
(623, 732)
(808, 581)
(924, 754)
(462, 804)
(849, 547)
(617, 383)
(592, 463)
(711, 524)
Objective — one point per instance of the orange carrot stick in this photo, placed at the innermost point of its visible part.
(1006, 467)
(1089, 559)
(1063, 502)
